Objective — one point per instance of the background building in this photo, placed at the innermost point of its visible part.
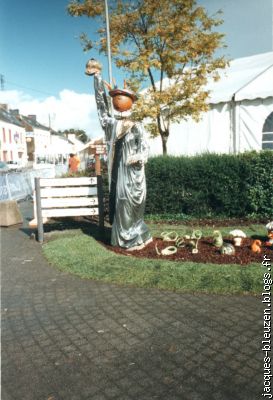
(26, 142)
(13, 147)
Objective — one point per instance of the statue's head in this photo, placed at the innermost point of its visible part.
(123, 99)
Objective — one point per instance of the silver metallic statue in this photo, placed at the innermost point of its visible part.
(127, 154)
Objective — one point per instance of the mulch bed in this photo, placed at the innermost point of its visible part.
(207, 252)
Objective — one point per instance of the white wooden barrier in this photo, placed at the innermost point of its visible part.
(66, 197)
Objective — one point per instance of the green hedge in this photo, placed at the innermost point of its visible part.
(211, 185)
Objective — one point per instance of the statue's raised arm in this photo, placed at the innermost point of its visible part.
(94, 68)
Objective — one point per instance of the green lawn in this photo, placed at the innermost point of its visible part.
(80, 254)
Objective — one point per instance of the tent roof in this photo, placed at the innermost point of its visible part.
(246, 78)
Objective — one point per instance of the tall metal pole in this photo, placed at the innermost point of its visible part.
(2, 82)
(108, 44)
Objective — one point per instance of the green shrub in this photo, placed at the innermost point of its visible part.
(211, 185)
(259, 183)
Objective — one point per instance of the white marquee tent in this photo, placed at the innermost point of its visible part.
(240, 116)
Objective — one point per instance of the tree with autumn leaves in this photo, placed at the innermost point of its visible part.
(170, 43)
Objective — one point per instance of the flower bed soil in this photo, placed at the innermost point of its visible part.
(207, 252)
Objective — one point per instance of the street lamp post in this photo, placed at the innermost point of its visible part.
(108, 44)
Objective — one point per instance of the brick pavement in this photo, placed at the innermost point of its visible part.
(65, 338)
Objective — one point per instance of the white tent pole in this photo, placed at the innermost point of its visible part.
(233, 124)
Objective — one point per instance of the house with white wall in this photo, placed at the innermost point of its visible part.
(25, 141)
(12, 138)
(60, 148)
(77, 145)
(37, 138)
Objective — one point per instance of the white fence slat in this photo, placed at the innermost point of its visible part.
(69, 191)
(69, 202)
(69, 212)
(82, 181)
(67, 197)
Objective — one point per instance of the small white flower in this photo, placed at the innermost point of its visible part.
(269, 226)
(237, 233)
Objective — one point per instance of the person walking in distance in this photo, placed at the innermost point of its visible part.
(74, 163)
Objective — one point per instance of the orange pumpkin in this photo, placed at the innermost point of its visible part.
(122, 103)
(122, 99)
(256, 246)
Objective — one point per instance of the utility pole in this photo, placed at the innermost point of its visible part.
(2, 82)
(108, 40)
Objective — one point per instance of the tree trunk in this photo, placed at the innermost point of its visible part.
(164, 139)
(164, 133)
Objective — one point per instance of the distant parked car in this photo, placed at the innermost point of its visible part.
(14, 166)
(3, 166)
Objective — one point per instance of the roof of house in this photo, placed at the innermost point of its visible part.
(99, 141)
(31, 123)
(6, 116)
(27, 122)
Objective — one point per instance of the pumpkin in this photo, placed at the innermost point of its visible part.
(122, 103)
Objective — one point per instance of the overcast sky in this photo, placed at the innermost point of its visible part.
(42, 62)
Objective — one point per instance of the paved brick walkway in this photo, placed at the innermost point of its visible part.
(64, 338)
